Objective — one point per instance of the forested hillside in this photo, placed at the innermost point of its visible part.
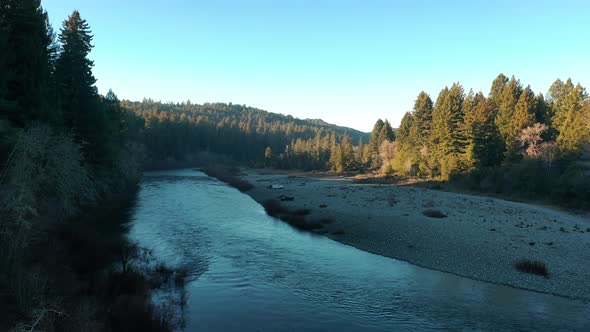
(179, 132)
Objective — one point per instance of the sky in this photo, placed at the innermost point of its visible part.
(346, 62)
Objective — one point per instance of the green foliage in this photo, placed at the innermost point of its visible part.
(447, 139)
(506, 107)
(382, 132)
(375, 136)
(478, 142)
(422, 117)
(386, 133)
(484, 145)
(569, 115)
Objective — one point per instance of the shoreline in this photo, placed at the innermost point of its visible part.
(481, 238)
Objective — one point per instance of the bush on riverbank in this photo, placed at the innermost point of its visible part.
(294, 218)
(273, 208)
(434, 213)
(228, 175)
(532, 267)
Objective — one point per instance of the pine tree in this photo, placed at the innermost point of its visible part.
(375, 135)
(448, 137)
(542, 111)
(77, 93)
(496, 91)
(27, 64)
(506, 105)
(523, 117)
(484, 144)
(405, 129)
(403, 162)
(422, 122)
(556, 101)
(348, 159)
(116, 124)
(570, 121)
(386, 133)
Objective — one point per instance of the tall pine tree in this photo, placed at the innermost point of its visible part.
(27, 64)
(448, 136)
(78, 95)
(506, 106)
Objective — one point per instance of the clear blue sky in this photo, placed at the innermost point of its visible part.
(347, 62)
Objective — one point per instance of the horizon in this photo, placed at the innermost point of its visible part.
(309, 61)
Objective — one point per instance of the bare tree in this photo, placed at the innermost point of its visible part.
(387, 152)
(531, 139)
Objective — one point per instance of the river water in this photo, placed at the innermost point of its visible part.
(251, 272)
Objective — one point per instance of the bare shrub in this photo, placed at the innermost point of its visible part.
(45, 164)
(274, 208)
(535, 148)
(387, 152)
(434, 213)
(532, 267)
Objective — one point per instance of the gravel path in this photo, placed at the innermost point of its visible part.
(480, 238)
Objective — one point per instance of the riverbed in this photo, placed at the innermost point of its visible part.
(251, 272)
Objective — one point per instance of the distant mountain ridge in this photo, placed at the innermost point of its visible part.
(216, 112)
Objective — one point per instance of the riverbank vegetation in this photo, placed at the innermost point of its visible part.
(229, 176)
(512, 142)
(69, 161)
(297, 218)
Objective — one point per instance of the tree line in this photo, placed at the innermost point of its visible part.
(512, 140)
(183, 131)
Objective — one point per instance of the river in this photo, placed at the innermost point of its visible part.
(251, 272)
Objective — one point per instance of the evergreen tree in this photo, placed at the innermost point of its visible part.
(422, 116)
(524, 116)
(542, 111)
(448, 137)
(484, 144)
(386, 133)
(506, 105)
(570, 120)
(77, 93)
(404, 162)
(405, 129)
(116, 134)
(348, 159)
(496, 91)
(375, 136)
(556, 97)
(26, 67)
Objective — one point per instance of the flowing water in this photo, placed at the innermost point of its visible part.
(251, 272)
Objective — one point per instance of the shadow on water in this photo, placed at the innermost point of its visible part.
(252, 272)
